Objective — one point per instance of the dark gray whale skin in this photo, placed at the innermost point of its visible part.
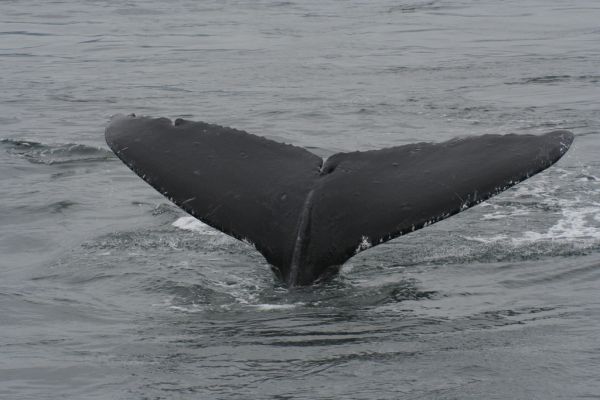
(307, 216)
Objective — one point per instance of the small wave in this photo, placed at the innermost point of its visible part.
(549, 79)
(488, 239)
(60, 206)
(415, 6)
(25, 33)
(39, 153)
(497, 215)
(56, 207)
(586, 178)
(72, 99)
(273, 307)
(214, 292)
(136, 11)
(199, 308)
(8, 120)
(282, 4)
(146, 240)
(579, 271)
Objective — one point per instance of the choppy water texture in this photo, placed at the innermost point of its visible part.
(109, 292)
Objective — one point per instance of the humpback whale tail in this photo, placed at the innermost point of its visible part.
(307, 216)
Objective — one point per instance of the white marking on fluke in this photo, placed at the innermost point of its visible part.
(301, 233)
(364, 244)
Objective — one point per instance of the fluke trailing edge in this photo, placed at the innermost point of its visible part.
(307, 216)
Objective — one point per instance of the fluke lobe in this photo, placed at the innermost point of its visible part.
(308, 216)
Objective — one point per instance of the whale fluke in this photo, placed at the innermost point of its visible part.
(306, 216)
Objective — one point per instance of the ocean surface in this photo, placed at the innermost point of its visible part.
(108, 291)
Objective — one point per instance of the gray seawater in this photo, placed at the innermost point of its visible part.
(107, 291)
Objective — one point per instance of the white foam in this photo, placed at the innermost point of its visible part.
(190, 223)
(193, 308)
(588, 178)
(496, 215)
(486, 240)
(577, 223)
(537, 188)
(270, 307)
(573, 225)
